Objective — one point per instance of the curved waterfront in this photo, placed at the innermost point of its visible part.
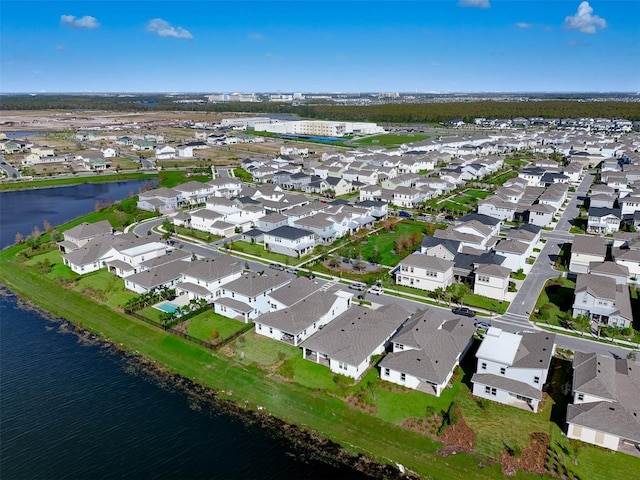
(72, 409)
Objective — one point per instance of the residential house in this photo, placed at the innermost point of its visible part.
(605, 302)
(247, 297)
(605, 409)
(82, 234)
(491, 281)
(347, 343)
(308, 311)
(290, 241)
(603, 220)
(515, 252)
(512, 368)
(165, 152)
(161, 200)
(426, 351)
(498, 208)
(585, 250)
(424, 272)
(541, 215)
(203, 278)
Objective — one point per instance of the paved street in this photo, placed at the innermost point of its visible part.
(516, 319)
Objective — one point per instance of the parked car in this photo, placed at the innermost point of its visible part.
(376, 290)
(291, 270)
(482, 325)
(404, 214)
(358, 286)
(464, 311)
(276, 266)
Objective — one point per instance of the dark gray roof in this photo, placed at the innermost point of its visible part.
(507, 384)
(451, 245)
(290, 233)
(603, 212)
(356, 333)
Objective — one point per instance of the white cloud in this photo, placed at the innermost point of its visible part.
(524, 25)
(79, 22)
(584, 21)
(165, 29)
(474, 3)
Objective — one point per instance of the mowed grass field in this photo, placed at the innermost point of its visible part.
(390, 139)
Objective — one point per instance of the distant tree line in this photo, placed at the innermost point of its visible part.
(382, 113)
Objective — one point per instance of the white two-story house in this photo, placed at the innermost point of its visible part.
(425, 272)
(513, 368)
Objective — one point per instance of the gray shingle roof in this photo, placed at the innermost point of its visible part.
(253, 285)
(354, 335)
(596, 285)
(294, 291)
(290, 233)
(507, 384)
(535, 350)
(213, 269)
(421, 260)
(589, 245)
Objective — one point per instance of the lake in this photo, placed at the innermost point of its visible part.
(73, 410)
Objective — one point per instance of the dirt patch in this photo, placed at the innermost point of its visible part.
(426, 426)
(531, 459)
(460, 434)
(359, 402)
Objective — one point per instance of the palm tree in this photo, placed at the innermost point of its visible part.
(582, 321)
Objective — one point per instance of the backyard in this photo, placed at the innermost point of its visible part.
(389, 139)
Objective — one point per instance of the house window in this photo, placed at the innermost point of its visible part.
(342, 365)
(487, 389)
(493, 391)
(581, 396)
(270, 330)
(503, 371)
(536, 379)
(403, 377)
(259, 325)
(386, 372)
(484, 366)
(399, 346)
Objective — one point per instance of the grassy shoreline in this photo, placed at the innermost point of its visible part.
(75, 180)
(315, 410)
(324, 414)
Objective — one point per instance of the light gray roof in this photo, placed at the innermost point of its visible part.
(193, 288)
(172, 256)
(301, 315)
(158, 276)
(493, 271)
(510, 245)
(596, 285)
(589, 245)
(236, 305)
(608, 268)
(594, 374)
(294, 291)
(439, 351)
(355, 334)
(428, 262)
(89, 230)
(612, 418)
(253, 285)
(507, 384)
(535, 350)
(213, 269)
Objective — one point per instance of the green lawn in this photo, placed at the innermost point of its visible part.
(197, 234)
(61, 182)
(378, 436)
(390, 139)
(514, 162)
(478, 193)
(503, 177)
(202, 325)
(258, 250)
(478, 301)
(385, 242)
(555, 302)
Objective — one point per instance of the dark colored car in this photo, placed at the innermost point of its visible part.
(404, 214)
(464, 311)
(276, 266)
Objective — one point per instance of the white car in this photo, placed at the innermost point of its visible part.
(376, 290)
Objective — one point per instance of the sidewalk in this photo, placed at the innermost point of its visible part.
(587, 336)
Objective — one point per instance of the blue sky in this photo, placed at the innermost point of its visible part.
(320, 46)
